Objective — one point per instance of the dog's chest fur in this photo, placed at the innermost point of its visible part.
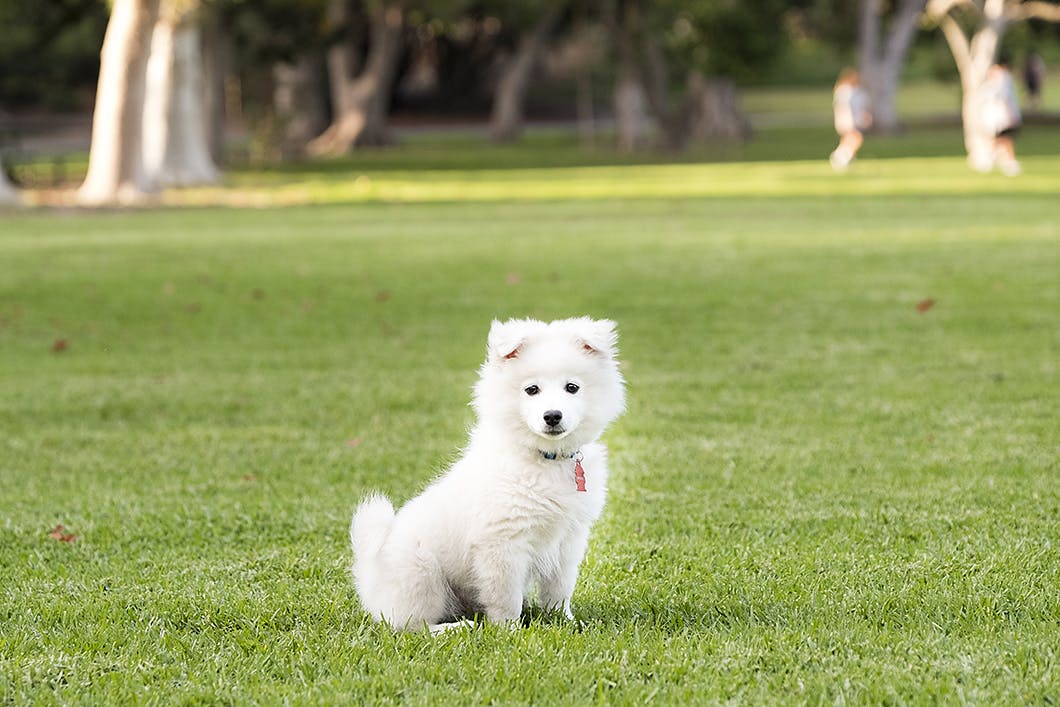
(541, 502)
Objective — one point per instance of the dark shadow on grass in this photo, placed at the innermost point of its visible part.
(675, 618)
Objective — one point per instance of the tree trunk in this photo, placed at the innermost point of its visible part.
(298, 101)
(176, 146)
(978, 137)
(973, 59)
(643, 81)
(714, 110)
(506, 120)
(631, 115)
(215, 44)
(361, 103)
(8, 194)
(629, 101)
(115, 165)
(882, 57)
(670, 121)
(584, 107)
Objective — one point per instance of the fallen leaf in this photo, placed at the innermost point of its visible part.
(193, 308)
(249, 477)
(513, 278)
(382, 296)
(60, 345)
(355, 442)
(924, 305)
(257, 293)
(59, 533)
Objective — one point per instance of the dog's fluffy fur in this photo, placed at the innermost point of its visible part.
(507, 516)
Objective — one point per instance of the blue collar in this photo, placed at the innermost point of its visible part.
(551, 456)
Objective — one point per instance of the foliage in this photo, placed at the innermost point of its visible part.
(821, 493)
(264, 32)
(727, 37)
(49, 54)
(832, 21)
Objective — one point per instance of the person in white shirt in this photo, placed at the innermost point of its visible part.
(850, 107)
(1000, 114)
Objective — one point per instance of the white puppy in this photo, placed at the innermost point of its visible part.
(514, 512)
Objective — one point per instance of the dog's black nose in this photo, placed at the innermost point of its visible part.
(552, 417)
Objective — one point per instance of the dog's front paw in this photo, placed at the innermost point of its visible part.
(435, 629)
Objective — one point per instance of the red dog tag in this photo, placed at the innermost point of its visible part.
(579, 476)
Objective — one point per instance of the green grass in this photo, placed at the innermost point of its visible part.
(820, 494)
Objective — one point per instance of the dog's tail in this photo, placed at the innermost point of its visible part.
(368, 533)
(370, 527)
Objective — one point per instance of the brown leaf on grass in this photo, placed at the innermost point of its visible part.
(355, 442)
(257, 293)
(193, 308)
(382, 296)
(924, 305)
(248, 478)
(60, 345)
(59, 533)
(513, 278)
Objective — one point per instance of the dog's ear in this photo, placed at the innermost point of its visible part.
(505, 340)
(598, 336)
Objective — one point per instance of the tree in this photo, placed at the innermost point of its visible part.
(882, 54)
(215, 58)
(643, 82)
(974, 53)
(276, 47)
(8, 193)
(299, 104)
(176, 142)
(666, 43)
(115, 166)
(535, 21)
(360, 94)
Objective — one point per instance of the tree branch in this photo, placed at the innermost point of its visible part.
(868, 30)
(1034, 10)
(938, 9)
(959, 46)
(904, 28)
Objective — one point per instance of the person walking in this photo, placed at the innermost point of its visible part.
(850, 107)
(1001, 116)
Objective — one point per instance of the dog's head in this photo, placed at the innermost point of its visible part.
(554, 385)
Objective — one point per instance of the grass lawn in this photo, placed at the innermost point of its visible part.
(822, 492)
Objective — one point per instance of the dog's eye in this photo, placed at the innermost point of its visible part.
(531, 390)
(572, 388)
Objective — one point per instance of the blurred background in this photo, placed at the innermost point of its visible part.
(193, 87)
